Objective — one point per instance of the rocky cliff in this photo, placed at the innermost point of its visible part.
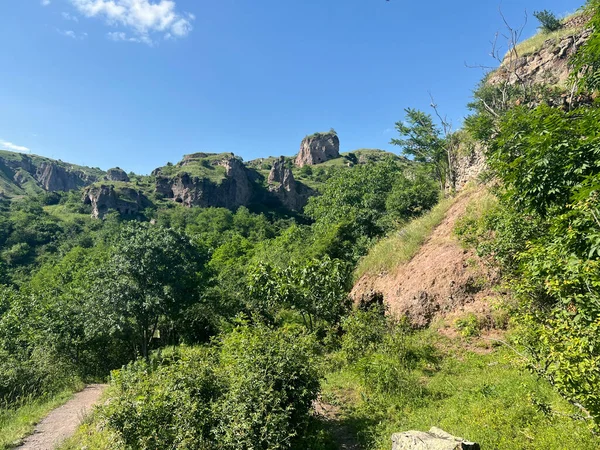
(125, 200)
(318, 148)
(289, 192)
(192, 187)
(22, 173)
(547, 64)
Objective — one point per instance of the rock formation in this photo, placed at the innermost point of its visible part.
(318, 148)
(468, 164)
(549, 65)
(234, 190)
(125, 201)
(435, 439)
(53, 177)
(46, 174)
(289, 192)
(117, 174)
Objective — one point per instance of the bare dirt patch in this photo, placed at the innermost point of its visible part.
(343, 436)
(63, 421)
(443, 278)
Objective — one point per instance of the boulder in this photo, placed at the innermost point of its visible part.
(117, 174)
(435, 439)
(318, 148)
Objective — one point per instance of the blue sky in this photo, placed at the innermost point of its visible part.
(137, 83)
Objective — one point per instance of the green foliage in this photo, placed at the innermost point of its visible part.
(317, 289)
(272, 382)
(585, 63)
(422, 139)
(411, 198)
(548, 21)
(253, 391)
(363, 330)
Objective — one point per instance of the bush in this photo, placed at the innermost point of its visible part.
(363, 331)
(548, 21)
(271, 384)
(253, 391)
(167, 403)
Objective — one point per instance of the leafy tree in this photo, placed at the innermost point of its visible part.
(411, 198)
(548, 21)
(423, 140)
(152, 272)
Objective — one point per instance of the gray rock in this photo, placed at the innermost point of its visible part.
(116, 174)
(318, 148)
(435, 439)
(233, 191)
(125, 201)
(289, 192)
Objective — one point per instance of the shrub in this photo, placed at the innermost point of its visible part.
(548, 21)
(167, 403)
(253, 390)
(271, 384)
(363, 330)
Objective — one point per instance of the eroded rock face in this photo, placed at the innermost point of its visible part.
(435, 439)
(235, 190)
(116, 174)
(468, 164)
(125, 201)
(53, 177)
(548, 65)
(318, 148)
(289, 192)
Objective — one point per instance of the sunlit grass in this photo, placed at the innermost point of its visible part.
(536, 42)
(400, 246)
(19, 422)
(488, 398)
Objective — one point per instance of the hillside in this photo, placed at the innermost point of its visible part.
(24, 174)
(446, 298)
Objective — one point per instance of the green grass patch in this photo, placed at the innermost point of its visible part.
(488, 398)
(17, 423)
(535, 43)
(400, 246)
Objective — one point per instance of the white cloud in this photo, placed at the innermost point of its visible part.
(123, 37)
(68, 16)
(45, 2)
(143, 18)
(13, 147)
(72, 34)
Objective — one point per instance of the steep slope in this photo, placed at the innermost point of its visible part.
(442, 278)
(23, 174)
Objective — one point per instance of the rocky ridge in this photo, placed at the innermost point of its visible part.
(21, 173)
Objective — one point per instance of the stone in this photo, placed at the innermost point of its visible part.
(235, 190)
(104, 198)
(117, 174)
(550, 61)
(318, 148)
(435, 439)
(53, 177)
(282, 184)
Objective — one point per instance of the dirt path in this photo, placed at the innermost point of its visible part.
(342, 435)
(63, 421)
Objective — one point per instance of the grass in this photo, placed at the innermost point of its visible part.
(15, 424)
(402, 245)
(536, 42)
(488, 398)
